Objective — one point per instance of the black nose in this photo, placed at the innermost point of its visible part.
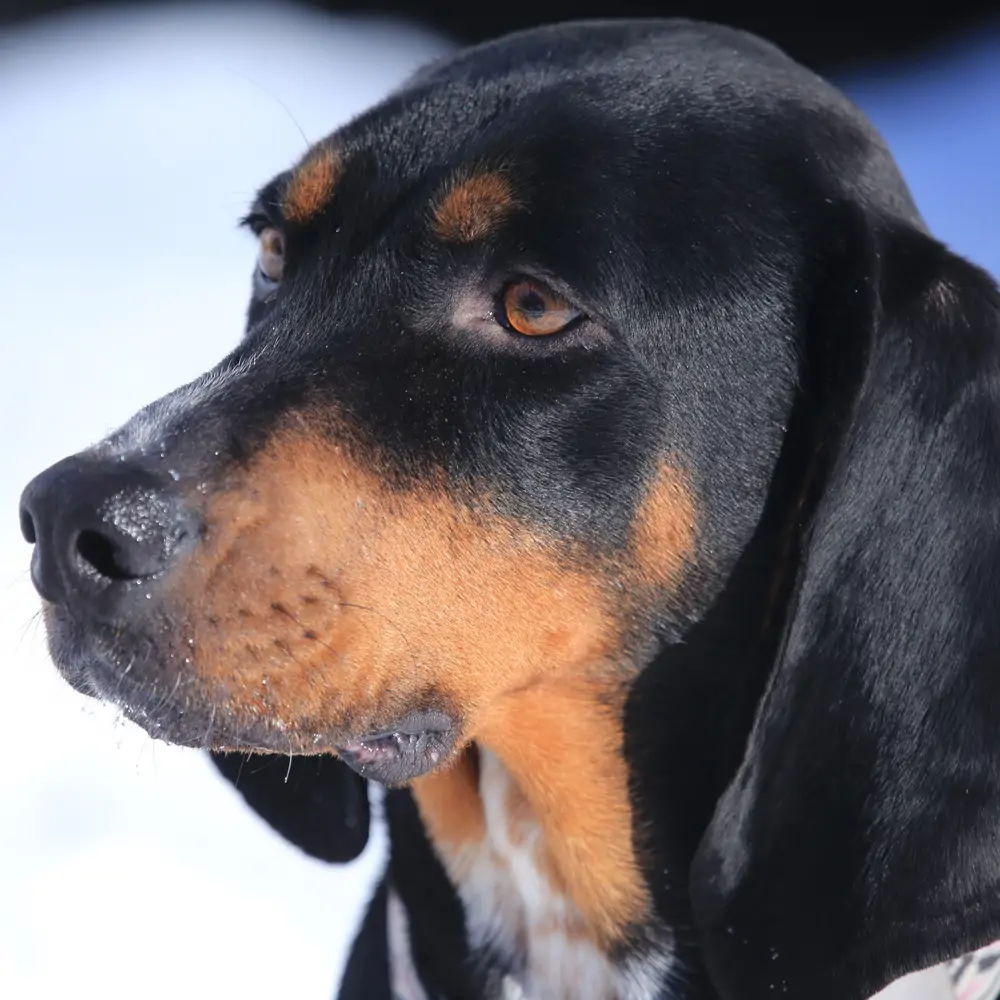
(100, 527)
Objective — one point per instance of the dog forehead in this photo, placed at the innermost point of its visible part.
(627, 103)
(630, 68)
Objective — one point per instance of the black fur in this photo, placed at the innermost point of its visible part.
(859, 834)
(318, 803)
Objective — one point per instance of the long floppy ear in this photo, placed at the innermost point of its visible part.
(318, 803)
(860, 836)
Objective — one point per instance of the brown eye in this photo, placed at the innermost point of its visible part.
(531, 308)
(271, 261)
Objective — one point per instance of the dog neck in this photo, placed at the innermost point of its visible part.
(534, 827)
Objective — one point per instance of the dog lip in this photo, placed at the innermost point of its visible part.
(412, 747)
(414, 724)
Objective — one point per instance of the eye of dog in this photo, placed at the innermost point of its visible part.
(271, 260)
(535, 310)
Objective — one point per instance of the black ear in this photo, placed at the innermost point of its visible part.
(318, 803)
(860, 836)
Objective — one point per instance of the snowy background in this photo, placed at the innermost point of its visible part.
(129, 145)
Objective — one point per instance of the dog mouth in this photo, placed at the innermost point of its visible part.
(415, 746)
(169, 709)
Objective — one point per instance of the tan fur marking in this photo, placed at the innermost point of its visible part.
(450, 805)
(562, 744)
(312, 184)
(665, 529)
(474, 207)
(324, 602)
(416, 598)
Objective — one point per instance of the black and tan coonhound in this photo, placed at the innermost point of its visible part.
(611, 467)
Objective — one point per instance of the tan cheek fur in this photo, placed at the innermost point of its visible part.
(327, 602)
(332, 602)
(562, 743)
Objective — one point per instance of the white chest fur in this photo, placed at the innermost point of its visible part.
(515, 909)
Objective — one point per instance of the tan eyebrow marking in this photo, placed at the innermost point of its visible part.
(474, 206)
(312, 184)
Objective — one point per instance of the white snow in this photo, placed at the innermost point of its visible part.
(129, 145)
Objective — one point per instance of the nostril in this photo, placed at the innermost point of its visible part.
(100, 528)
(28, 527)
(100, 554)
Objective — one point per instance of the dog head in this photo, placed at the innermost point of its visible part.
(539, 350)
